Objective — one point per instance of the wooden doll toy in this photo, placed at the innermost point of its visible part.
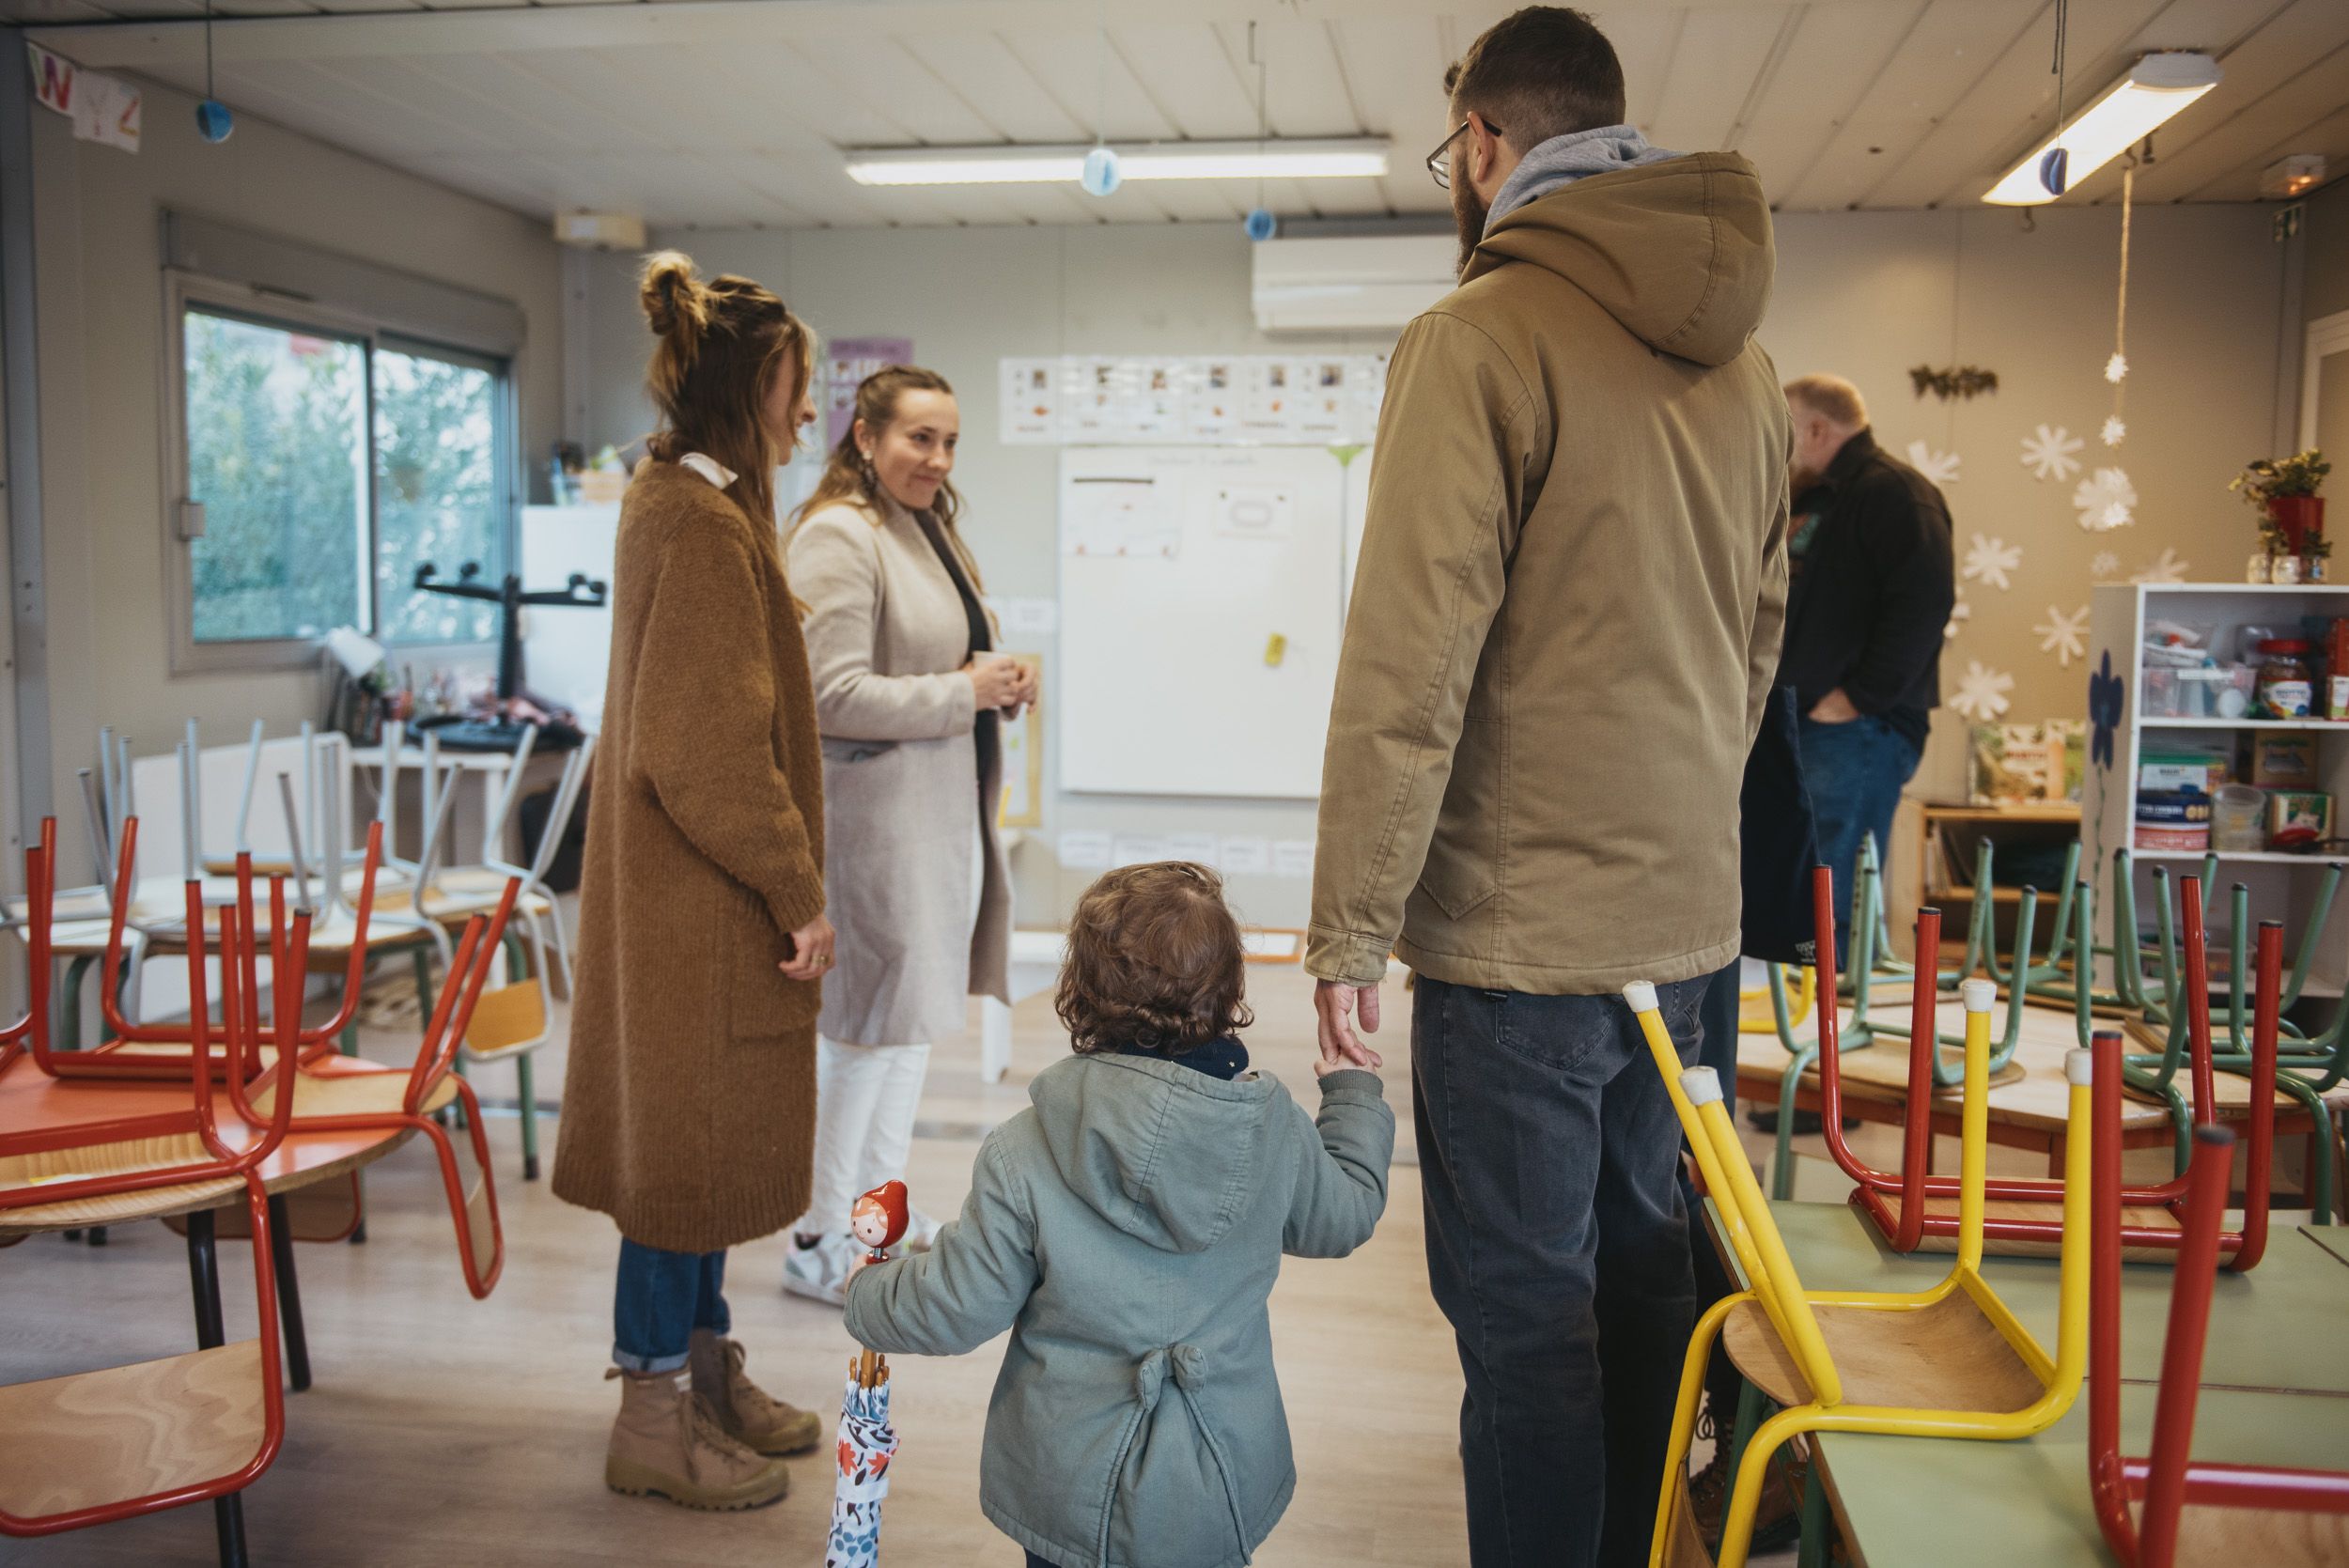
(878, 1220)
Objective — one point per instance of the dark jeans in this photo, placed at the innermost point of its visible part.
(1035, 1562)
(1717, 1050)
(1854, 772)
(662, 1297)
(1557, 1248)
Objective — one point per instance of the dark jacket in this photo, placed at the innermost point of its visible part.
(1873, 582)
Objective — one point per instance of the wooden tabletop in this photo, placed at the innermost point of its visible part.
(2275, 1381)
(31, 1100)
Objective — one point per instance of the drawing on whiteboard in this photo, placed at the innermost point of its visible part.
(1112, 515)
(1255, 511)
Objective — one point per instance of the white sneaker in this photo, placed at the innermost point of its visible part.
(921, 1230)
(820, 1272)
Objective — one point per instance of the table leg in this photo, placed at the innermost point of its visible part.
(525, 1085)
(281, 1250)
(97, 1236)
(203, 1275)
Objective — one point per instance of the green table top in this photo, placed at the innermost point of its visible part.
(2275, 1391)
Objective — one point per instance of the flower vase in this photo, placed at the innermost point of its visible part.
(2298, 519)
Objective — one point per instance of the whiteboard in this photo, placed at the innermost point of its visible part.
(1200, 605)
(565, 650)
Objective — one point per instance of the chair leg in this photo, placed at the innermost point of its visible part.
(1813, 1551)
(203, 1276)
(281, 1248)
(526, 1089)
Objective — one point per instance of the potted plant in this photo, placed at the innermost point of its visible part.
(2284, 491)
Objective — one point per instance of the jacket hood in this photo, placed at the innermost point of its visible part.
(1166, 1154)
(1679, 251)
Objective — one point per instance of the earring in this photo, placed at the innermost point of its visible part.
(865, 471)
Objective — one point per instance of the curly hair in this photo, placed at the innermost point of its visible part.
(1155, 961)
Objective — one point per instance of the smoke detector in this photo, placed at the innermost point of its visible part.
(2296, 175)
(599, 231)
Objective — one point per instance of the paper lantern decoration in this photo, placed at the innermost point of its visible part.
(1101, 174)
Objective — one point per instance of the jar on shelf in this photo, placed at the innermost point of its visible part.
(2287, 689)
(2284, 571)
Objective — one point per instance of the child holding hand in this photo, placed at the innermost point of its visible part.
(1127, 1228)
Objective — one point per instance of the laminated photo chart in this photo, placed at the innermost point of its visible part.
(1199, 617)
(1196, 400)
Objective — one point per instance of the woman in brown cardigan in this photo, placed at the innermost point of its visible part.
(688, 1109)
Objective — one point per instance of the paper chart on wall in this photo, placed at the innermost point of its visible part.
(1270, 400)
(1029, 401)
(1126, 516)
(1211, 404)
(1205, 400)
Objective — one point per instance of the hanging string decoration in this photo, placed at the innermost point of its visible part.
(1101, 174)
(2117, 368)
(1260, 224)
(213, 122)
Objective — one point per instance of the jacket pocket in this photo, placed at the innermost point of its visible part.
(845, 751)
(1463, 865)
(760, 1001)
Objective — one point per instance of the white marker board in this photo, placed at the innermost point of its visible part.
(566, 651)
(1179, 566)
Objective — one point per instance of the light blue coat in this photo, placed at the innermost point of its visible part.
(1127, 1228)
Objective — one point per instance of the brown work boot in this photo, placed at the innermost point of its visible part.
(666, 1444)
(748, 1413)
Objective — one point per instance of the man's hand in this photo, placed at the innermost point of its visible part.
(811, 952)
(1833, 708)
(1338, 1007)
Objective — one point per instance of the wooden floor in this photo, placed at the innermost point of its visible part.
(442, 1430)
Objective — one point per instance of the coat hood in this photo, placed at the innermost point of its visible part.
(1679, 252)
(1166, 1154)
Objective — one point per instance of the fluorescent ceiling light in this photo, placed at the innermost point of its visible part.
(1353, 157)
(2156, 87)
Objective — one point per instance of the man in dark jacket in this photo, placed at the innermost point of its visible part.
(1873, 583)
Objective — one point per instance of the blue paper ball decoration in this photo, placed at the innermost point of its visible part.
(1260, 223)
(2055, 169)
(1101, 175)
(214, 121)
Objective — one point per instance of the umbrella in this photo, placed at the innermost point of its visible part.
(868, 1444)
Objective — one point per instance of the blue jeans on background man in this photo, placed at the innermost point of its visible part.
(661, 1298)
(1854, 772)
(1557, 1248)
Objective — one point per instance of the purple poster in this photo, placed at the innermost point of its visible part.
(847, 362)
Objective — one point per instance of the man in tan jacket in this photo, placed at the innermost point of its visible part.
(1564, 622)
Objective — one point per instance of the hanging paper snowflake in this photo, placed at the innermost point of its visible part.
(2115, 432)
(2104, 500)
(2117, 368)
(2065, 636)
(2106, 566)
(2169, 567)
(2047, 453)
(1960, 612)
(1981, 692)
(1939, 467)
(1988, 559)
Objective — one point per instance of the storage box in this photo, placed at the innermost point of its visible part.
(2298, 816)
(2160, 773)
(2283, 761)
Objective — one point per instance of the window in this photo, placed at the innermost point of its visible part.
(322, 460)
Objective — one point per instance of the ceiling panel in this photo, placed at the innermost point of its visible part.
(1645, 39)
(881, 72)
(1710, 73)
(982, 71)
(1306, 92)
(2300, 101)
(1206, 90)
(1086, 81)
(1836, 50)
(2328, 136)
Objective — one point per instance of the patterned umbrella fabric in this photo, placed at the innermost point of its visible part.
(868, 1444)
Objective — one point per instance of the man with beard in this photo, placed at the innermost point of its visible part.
(1564, 623)
(1873, 587)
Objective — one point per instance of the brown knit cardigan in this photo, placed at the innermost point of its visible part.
(688, 1106)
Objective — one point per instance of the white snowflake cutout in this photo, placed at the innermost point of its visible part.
(1939, 467)
(1981, 692)
(1989, 558)
(2065, 636)
(2117, 368)
(1960, 612)
(2105, 499)
(2106, 566)
(2115, 432)
(2047, 453)
(2169, 568)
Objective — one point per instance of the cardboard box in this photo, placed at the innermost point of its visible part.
(2297, 816)
(2283, 761)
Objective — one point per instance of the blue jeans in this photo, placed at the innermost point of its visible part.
(662, 1297)
(1854, 772)
(1557, 1248)
(1718, 1013)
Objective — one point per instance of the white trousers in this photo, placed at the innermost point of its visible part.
(866, 1100)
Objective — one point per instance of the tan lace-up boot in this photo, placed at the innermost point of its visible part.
(748, 1413)
(667, 1444)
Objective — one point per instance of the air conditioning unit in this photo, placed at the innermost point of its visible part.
(1351, 284)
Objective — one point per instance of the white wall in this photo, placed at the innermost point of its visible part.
(1864, 294)
(100, 332)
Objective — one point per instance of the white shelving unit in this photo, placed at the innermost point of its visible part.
(2281, 885)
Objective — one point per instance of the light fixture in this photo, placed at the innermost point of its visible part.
(2293, 174)
(1352, 157)
(2156, 87)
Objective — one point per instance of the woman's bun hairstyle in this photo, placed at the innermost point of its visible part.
(675, 299)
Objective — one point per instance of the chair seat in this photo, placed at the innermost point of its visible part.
(2231, 1537)
(160, 1153)
(1885, 1066)
(2153, 1218)
(354, 1093)
(508, 1021)
(96, 1438)
(1944, 1356)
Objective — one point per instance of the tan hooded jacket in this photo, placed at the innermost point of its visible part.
(1567, 609)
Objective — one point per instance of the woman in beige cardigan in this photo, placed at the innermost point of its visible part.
(688, 1111)
(907, 689)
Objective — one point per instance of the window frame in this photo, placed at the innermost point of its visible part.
(286, 311)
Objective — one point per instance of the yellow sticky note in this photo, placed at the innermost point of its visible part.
(1276, 648)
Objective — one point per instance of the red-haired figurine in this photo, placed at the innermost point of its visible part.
(878, 1220)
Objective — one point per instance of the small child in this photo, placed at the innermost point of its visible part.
(1127, 1228)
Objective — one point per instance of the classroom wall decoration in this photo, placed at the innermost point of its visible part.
(2064, 635)
(848, 360)
(1939, 467)
(1960, 612)
(2104, 500)
(1989, 559)
(1191, 399)
(1981, 692)
(2047, 453)
(2169, 566)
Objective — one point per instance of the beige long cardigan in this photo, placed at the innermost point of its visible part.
(689, 1107)
(886, 636)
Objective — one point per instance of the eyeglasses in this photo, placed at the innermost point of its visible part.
(1439, 161)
